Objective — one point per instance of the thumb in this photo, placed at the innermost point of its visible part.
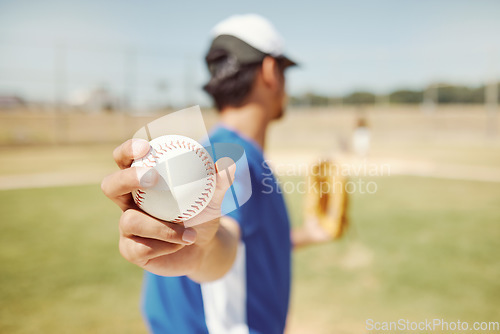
(226, 168)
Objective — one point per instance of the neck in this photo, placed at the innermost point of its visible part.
(250, 120)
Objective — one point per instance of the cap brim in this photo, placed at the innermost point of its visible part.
(288, 62)
(244, 53)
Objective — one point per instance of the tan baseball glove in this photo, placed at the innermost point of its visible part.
(327, 198)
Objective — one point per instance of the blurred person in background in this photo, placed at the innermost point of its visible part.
(361, 137)
(228, 275)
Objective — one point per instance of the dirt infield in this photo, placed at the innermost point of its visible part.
(282, 163)
(455, 142)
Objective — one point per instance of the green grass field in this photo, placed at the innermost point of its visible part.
(418, 248)
(61, 270)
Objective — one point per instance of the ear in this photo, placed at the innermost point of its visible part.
(270, 72)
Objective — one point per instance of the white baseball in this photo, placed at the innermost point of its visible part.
(187, 179)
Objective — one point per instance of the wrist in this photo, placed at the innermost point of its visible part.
(217, 256)
(204, 246)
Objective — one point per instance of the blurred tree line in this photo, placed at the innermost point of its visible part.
(444, 94)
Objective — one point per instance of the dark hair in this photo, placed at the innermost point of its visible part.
(230, 83)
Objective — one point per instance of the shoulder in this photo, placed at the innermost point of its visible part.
(227, 142)
(220, 134)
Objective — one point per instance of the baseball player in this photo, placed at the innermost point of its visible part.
(230, 274)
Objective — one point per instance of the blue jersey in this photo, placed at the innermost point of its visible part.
(253, 296)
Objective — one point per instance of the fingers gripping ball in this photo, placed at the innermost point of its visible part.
(186, 183)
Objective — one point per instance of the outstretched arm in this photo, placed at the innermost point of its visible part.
(204, 252)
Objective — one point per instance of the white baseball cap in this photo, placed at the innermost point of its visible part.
(246, 39)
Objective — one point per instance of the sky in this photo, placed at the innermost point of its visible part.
(152, 51)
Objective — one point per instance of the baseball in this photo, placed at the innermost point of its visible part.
(186, 183)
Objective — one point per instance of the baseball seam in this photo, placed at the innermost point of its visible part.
(151, 160)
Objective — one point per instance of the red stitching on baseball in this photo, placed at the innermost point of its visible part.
(138, 199)
(162, 149)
